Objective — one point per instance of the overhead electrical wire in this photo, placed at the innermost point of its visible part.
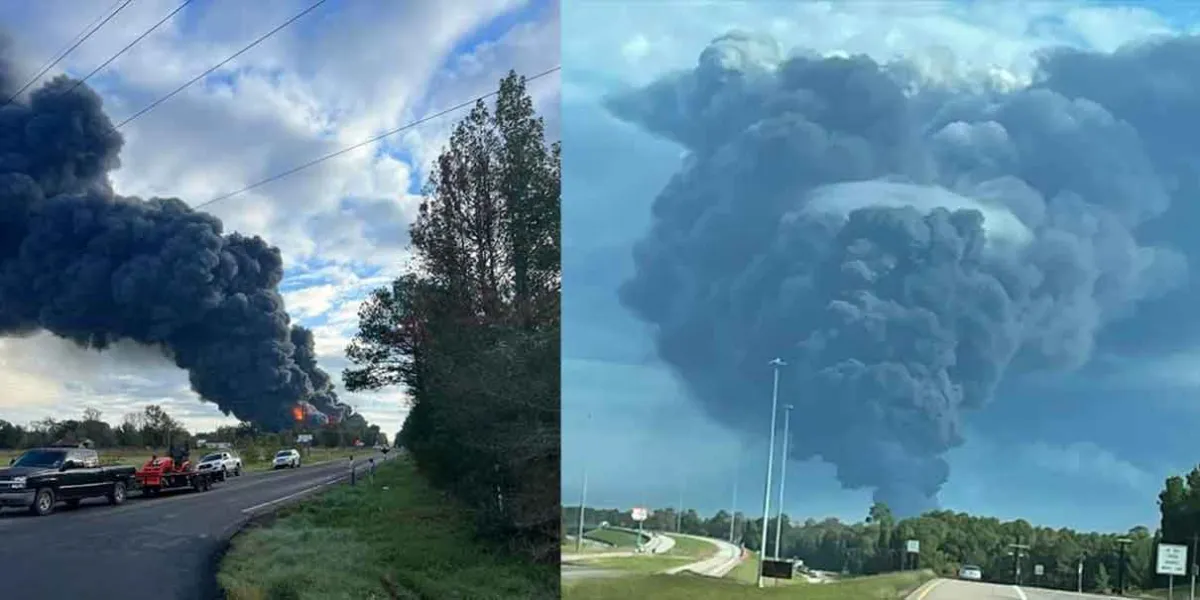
(326, 157)
(256, 42)
(129, 45)
(79, 40)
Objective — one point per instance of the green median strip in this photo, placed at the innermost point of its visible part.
(395, 537)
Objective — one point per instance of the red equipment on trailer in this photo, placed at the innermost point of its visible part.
(164, 473)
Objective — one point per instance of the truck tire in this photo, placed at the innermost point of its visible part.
(43, 502)
(116, 495)
(237, 471)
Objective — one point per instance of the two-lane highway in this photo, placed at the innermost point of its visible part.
(951, 589)
(148, 548)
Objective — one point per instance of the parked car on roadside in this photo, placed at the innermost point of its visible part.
(226, 462)
(40, 478)
(289, 459)
(970, 572)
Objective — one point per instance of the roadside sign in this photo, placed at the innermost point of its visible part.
(913, 546)
(778, 569)
(1039, 570)
(304, 438)
(1172, 559)
(639, 513)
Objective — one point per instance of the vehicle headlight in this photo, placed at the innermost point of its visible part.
(18, 482)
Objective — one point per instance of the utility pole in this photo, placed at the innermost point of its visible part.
(762, 547)
(787, 419)
(1124, 543)
(1017, 548)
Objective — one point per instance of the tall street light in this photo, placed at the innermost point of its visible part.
(733, 507)
(787, 419)
(762, 547)
(582, 502)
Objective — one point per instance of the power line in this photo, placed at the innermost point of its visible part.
(79, 41)
(256, 42)
(410, 125)
(129, 45)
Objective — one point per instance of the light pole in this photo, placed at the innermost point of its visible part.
(733, 507)
(679, 515)
(582, 502)
(1124, 543)
(582, 510)
(787, 419)
(762, 547)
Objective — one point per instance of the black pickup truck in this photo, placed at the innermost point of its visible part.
(40, 478)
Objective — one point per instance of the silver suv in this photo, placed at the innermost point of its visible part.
(286, 459)
(225, 461)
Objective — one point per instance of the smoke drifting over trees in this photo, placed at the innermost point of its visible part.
(905, 243)
(94, 267)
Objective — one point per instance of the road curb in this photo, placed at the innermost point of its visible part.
(924, 589)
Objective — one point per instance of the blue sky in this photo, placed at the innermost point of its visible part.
(343, 73)
(1086, 447)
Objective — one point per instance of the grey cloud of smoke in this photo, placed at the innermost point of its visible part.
(904, 244)
(96, 268)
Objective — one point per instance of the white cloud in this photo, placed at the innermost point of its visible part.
(336, 77)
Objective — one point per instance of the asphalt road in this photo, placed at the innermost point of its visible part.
(950, 589)
(164, 548)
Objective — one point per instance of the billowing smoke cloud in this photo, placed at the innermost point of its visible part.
(93, 267)
(904, 244)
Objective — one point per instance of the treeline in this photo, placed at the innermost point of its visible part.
(947, 539)
(154, 427)
(472, 331)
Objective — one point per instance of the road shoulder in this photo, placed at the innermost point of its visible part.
(391, 537)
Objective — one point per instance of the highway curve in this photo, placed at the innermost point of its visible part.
(163, 548)
(950, 589)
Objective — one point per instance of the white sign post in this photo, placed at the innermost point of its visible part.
(639, 514)
(1172, 560)
(912, 548)
(1038, 571)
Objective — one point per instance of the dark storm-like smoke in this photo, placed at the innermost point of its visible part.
(905, 244)
(93, 267)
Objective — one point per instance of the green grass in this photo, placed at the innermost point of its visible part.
(892, 586)
(639, 564)
(616, 537)
(355, 543)
(691, 547)
(253, 459)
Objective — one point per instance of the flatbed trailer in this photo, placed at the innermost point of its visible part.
(164, 474)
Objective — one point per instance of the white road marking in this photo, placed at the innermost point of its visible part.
(293, 495)
(1020, 593)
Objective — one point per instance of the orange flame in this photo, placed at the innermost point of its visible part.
(298, 413)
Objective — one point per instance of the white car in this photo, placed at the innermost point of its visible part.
(228, 463)
(970, 572)
(286, 459)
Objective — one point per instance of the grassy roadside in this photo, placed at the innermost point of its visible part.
(355, 543)
(892, 586)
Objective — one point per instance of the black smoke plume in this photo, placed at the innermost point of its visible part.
(93, 267)
(904, 244)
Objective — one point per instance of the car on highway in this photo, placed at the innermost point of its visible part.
(971, 573)
(289, 459)
(40, 478)
(225, 462)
